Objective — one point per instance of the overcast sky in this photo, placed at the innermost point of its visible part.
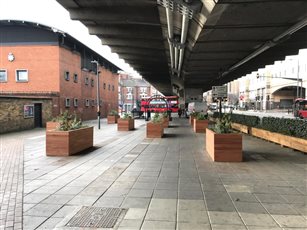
(51, 13)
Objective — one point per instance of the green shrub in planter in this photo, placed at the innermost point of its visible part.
(194, 114)
(251, 121)
(68, 122)
(126, 116)
(223, 125)
(291, 127)
(216, 115)
(202, 116)
(113, 113)
(157, 118)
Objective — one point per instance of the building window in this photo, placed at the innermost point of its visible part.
(112, 87)
(129, 96)
(143, 89)
(75, 78)
(3, 75)
(86, 81)
(104, 85)
(66, 76)
(93, 103)
(67, 102)
(92, 82)
(109, 87)
(22, 75)
(75, 102)
(129, 89)
(87, 102)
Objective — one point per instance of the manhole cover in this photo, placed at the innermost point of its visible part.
(95, 217)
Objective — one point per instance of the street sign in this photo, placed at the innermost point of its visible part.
(219, 91)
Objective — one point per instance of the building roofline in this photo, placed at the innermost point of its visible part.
(102, 60)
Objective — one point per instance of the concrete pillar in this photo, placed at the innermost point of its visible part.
(193, 95)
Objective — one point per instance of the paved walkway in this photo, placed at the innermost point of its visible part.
(11, 178)
(167, 183)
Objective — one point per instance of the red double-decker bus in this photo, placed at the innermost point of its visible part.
(159, 104)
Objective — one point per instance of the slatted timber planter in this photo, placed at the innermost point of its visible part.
(224, 147)
(165, 122)
(241, 128)
(52, 125)
(112, 119)
(154, 130)
(284, 140)
(125, 124)
(66, 143)
(200, 126)
(191, 119)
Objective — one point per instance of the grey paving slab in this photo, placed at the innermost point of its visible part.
(134, 202)
(196, 226)
(112, 202)
(166, 183)
(256, 219)
(43, 210)
(166, 225)
(136, 214)
(130, 224)
(193, 216)
(291, 221)
(225, 218)
(228, 227)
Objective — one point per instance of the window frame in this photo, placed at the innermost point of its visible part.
(75, 78)
(16, 75)
(76, 101)
(87, 102)
(92, 82)
(86, 80)
(67, 102)
(5, 71)
(66, 76)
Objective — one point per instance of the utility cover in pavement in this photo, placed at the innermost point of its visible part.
(95, 217)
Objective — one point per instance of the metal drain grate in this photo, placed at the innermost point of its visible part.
(95, 217)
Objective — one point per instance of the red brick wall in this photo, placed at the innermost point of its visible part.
(46, 67)
(42, 63)
(70, 62)
(109, 97)
(69, 89)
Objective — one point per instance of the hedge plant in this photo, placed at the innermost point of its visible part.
(251, 121)
(291, 127)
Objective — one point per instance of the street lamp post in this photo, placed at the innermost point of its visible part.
(98, 95)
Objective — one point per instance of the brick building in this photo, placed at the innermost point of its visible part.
(44, 71)
(132, 90)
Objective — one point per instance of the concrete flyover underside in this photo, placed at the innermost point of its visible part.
(225, 39)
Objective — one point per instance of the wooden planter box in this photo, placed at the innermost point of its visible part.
(125, 124)
(191, 120)
(284, 140)
(65, 143)
(241, 128)
(52, 125)
(224, 147)
(165, 122)
(112, 119)
(200, 126)
(154, 130)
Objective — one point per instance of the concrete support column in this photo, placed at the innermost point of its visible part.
(193, 95)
